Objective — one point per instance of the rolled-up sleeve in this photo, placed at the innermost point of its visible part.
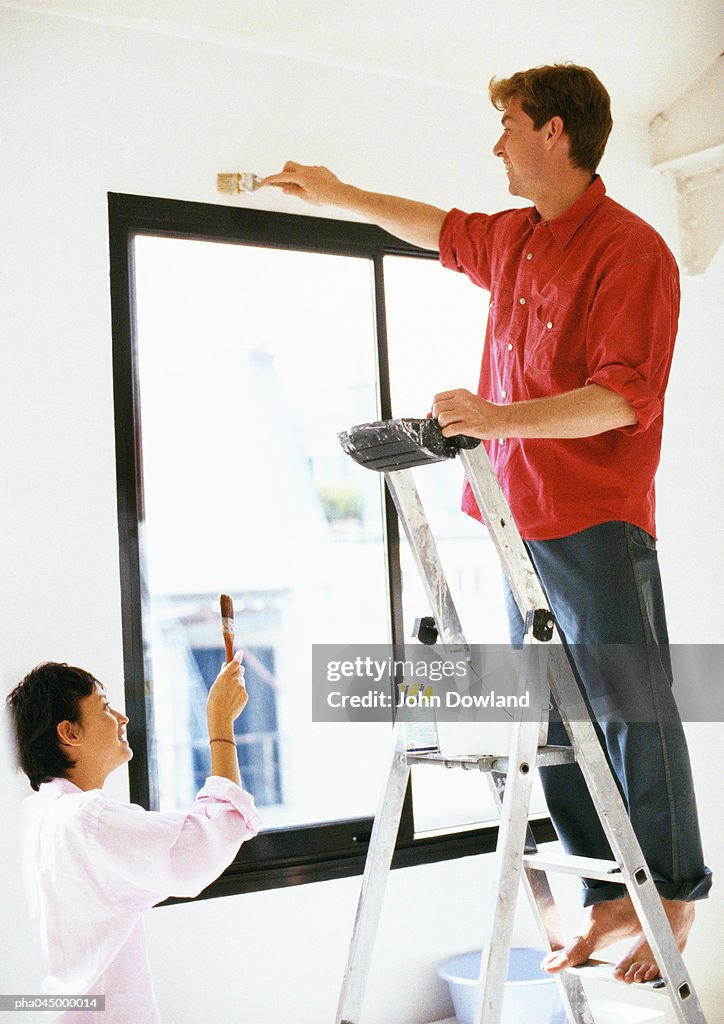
(631, 333)
(142, 857)
(463, 245)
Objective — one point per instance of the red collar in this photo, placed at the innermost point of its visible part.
(565, 225)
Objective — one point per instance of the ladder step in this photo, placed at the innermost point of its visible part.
(584, 867)
(547, 756)
(602, 970)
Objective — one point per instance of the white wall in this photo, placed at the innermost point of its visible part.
(86, 110)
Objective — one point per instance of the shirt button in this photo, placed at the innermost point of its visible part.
(510, 347)
(521, 301)
(492, 303)
(501, 440)
(549, 324)
(503, 392)
(529, 256)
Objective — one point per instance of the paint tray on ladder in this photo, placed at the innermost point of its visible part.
(392, 445)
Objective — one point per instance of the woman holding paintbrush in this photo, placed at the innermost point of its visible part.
(93, 865)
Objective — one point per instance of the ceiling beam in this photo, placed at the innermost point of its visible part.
(687, 143)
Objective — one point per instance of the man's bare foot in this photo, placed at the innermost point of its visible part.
(639, 964)
(604, 924)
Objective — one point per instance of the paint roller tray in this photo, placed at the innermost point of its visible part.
(391, 445)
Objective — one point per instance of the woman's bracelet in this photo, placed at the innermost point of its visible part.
(220, 739)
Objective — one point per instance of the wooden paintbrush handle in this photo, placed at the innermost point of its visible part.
(227, 624)
(229, 644)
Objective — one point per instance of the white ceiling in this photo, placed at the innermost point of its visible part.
(645, 51)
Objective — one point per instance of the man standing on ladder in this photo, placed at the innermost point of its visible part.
(583, 315)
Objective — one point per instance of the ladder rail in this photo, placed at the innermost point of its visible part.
(402, 487)
(547, 916)
(509, 869)
(503, 532)
(374, 883)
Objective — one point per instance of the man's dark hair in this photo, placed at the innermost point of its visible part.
(567, 91)
(50, 694)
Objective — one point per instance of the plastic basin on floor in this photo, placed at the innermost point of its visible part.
(531, 996)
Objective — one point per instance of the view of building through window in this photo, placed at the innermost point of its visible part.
(250, 361)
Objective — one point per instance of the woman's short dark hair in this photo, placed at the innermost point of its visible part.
(50, 694)
(570, 92)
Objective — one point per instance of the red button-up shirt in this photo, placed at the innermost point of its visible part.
(590, 297)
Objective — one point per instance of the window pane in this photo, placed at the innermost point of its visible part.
(436, 329)
(250, 360)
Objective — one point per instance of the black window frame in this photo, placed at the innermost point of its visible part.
(297, 854)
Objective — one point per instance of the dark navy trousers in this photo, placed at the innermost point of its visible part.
(604, 588)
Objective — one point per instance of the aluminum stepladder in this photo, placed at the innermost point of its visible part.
(394, 447)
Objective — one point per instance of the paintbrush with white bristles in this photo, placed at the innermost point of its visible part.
(235, 184)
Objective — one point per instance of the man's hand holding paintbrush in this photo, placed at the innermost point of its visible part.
(227, 699)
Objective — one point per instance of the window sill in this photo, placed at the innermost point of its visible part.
(301, 870)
